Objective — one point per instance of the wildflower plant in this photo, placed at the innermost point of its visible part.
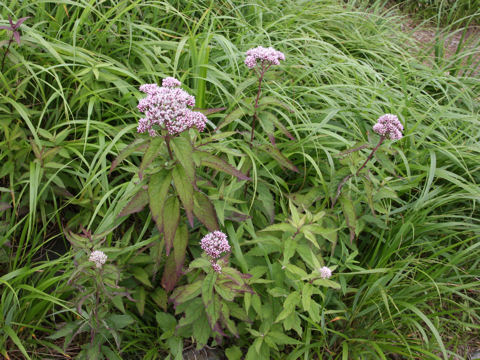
(388, 127)
(96, 281)
(168, 172)
(15, 35)
(209, 297)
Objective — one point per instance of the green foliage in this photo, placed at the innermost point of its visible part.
(402, 239)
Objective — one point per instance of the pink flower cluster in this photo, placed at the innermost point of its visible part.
(168, 107)
(98, 257)
(325, 272)
(265, 55)
(215, 244)
(389, 126)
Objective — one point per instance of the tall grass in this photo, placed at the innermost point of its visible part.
(68, 107)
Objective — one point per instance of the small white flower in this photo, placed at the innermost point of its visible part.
(98, 257)
(325, 273)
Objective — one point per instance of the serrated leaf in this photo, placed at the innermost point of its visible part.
(307, 291)
(136, 204)
(234, 115)
(204, 210)
(141, 275)
(137, 145)
(327, 283)
(199, 263)
(171, 218)
(170, 274)
(270, 100)
(184, 190)
(289, 305)
(150, 155)
(283, 227)
(289, 249)
(201, 331)
(233, 353)
(187, 292)
(180, 246)
(279, 157)
(120, 321)
(183, 151)
(158, 187)
(165, 321)
(281, 338)
(160, 298)
(216, 163)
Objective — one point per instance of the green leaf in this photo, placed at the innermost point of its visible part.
(349, 214)
(150, 155)
(283, 227)
(216, 163)
(184, 190)
(199, 263)
(327, 283)
(233, 353)
(136, 204)
(201, 331)
(160, 297)
(281, 338)
(187, 292)
(307, 292)
(207, 288)
(234, 115)
(289, 305)
(270, 100)
(204, 210)
(167, 322)
(171, 218)
(289, 249)
(140, 296)
(183, 151)
(120, 321)
(158, 187)
(138, 144)
(279, 157)
(142, 276)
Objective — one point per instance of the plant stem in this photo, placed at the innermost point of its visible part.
(6, 51)
(259, 91)
(346, 178)
(93, 331)
(382, 138)
(167, 141)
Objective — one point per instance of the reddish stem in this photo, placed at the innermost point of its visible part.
(259, 91)
(167, 141)
(346, 178)
(382, 138)
(6, 51)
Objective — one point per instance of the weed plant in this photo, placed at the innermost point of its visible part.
(390, 271)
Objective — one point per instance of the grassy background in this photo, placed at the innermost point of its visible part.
(68, 107)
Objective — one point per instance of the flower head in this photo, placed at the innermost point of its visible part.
(265, 55)
(214, 244)
(216, 267)
(98, 257)
(325, 272)
(389, 126)
(168, 107)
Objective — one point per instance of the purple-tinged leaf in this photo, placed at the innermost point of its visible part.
(179, 248)
(205, 211)
(169, 277)
(16, 35)
(184, 190)
(171, 218)
(186, 292)
(136, 204)
(157, 192)
(216, 163)
(11, 22)
(210, 110)
(3, 27)
(20, 22)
